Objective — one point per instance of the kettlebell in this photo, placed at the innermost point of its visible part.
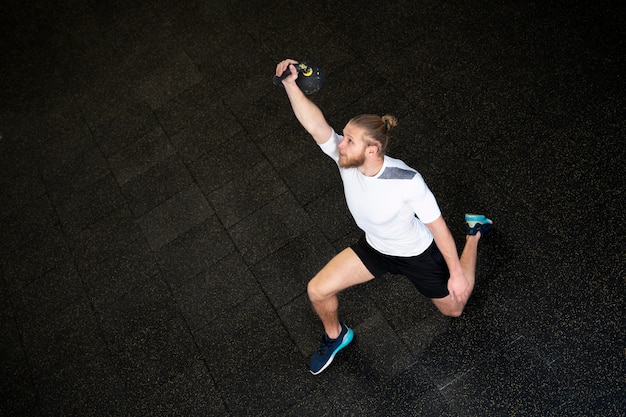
(310, 77)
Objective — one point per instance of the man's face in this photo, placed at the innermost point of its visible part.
(352, 147)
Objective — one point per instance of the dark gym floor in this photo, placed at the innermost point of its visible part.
(162, 210)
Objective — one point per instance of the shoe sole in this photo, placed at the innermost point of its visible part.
(473, 220)
(345, 342)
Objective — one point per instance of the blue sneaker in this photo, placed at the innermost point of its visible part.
(477, 223)
(325, 354)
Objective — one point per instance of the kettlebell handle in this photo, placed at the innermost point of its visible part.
(302, 68)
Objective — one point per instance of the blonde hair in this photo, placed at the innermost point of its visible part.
(376, 129)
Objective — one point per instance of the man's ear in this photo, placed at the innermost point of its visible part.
(372, 149)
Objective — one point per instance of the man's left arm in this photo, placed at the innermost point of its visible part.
(458, 285)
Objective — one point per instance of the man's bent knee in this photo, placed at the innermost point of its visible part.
(311, 290)
(316, 292)
(452, 313)
(447, 307)
(343, 271)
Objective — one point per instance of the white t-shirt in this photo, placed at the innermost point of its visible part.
(385, 206)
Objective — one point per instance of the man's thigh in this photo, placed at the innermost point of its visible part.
(343, 271)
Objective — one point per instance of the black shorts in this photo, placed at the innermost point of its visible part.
(428, 271)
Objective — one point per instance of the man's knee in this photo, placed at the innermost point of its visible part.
(314, 290)
(321, 287)
(453, 312)
(449, 308)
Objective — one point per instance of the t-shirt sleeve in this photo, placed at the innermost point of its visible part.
(423, 201)
(330, 147)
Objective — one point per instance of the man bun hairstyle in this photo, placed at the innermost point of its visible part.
(389, 121)
(376, 129)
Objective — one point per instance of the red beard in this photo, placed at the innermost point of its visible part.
(354, 162)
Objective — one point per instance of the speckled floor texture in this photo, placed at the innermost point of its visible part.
(162, 210)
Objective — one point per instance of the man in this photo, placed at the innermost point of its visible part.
(404, 230)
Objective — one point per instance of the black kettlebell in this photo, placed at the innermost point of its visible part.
(310, 77)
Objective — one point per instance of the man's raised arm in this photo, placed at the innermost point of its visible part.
(307, 113)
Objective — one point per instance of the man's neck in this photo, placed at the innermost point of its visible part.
(371, 167)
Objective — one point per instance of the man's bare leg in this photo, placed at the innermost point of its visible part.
(468, 259)
(447, 305)
(343, 271)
